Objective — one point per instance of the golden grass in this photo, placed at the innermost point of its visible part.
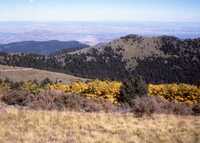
(27, 126)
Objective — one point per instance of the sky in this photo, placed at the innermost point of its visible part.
(100, 10)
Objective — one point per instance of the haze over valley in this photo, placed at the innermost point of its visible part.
(92, 33)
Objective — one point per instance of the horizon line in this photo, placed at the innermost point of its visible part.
(98, 21)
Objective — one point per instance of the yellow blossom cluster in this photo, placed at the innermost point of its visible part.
(189, 94)
(93, 89)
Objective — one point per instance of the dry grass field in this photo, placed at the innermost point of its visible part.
(24, 74)
(28, 126)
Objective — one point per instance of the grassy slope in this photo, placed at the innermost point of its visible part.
(25, 74)
(133, 47)
(138, 47)
(69, 127)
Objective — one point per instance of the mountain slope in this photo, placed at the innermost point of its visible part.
(157, 59)
(18, 74)
(41, 47)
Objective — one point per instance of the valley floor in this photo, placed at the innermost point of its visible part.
(28, 126)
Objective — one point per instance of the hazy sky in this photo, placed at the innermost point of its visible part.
(100, 10)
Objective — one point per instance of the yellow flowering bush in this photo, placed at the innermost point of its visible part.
(94, 89)
(59, 86)
(78, 87)
(104, 89)
(176, 92)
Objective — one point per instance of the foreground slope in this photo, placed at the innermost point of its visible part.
(24, 74)
(71, 127)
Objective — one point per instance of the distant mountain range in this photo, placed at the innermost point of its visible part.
(42, 47)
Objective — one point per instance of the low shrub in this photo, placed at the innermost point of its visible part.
(17, 97)
(54, 100)
(150, 105)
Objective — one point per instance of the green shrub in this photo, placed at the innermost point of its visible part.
(196, 109)
(132, 87)
(45, 82)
